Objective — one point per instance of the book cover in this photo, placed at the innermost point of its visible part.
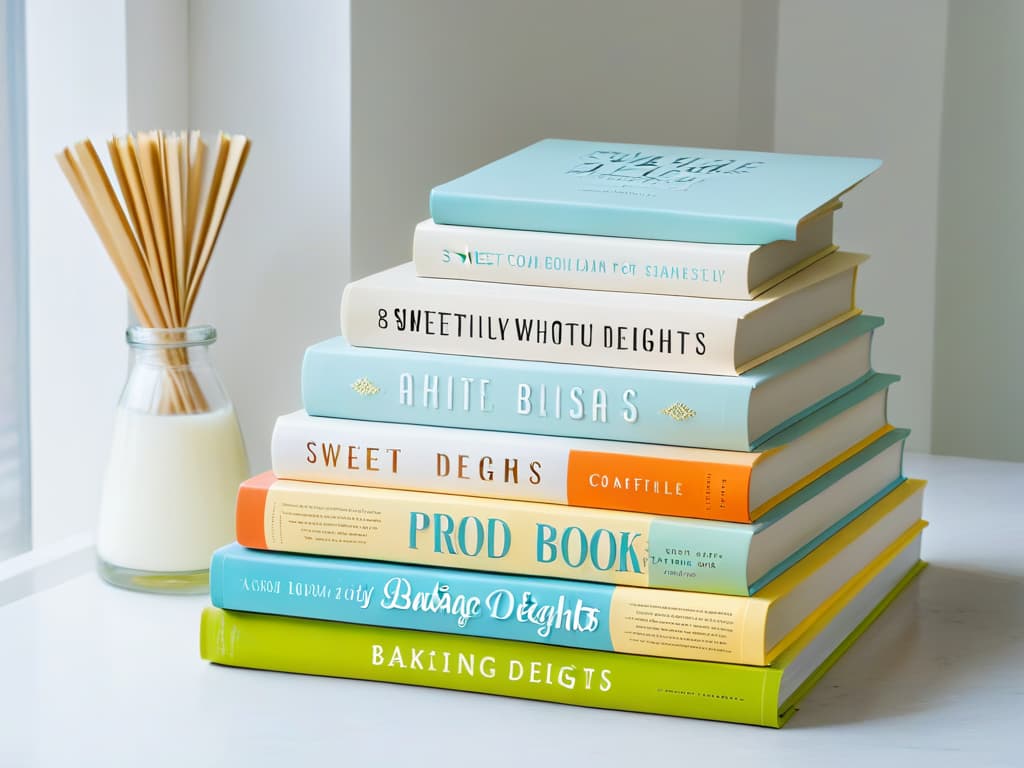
(656, 192)
(711, 270)
(725, 412)
(577, 543)
(636, 477)
(651, 622)
(737, 693)
(395, 309)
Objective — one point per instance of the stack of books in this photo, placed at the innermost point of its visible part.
(612, 438)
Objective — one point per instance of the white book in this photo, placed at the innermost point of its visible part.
(396, 309)
(584, 472)
(631, 265)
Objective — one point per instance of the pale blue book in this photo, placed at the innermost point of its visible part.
(653, 192)
(739, 413)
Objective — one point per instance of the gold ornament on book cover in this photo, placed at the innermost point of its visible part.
(679, 412)
(363, 386)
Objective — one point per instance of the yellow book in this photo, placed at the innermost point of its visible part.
(637, 620)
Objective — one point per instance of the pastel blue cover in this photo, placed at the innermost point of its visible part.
(858, 394)
(343, 576)
(721, 403)
(654, 192)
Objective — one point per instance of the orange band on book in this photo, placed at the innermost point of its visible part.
(659, 486)
(249, 510)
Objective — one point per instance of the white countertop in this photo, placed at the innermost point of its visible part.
(94, 675)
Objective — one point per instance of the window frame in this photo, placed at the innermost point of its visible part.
(17, 537)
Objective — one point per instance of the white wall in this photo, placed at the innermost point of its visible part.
(279, 73)
(156, 55)
(866, 79)
(75, 61)
(759, 41)
(979, 359)
(439, 88)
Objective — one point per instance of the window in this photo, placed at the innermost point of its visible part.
(14, 485)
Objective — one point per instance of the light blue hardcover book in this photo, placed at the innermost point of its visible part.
(652, 192)
(560, 611)
(730, 413)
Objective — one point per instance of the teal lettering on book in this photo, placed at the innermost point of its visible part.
(473, 259)
(468, 537)
(398, 594)
(603, 549)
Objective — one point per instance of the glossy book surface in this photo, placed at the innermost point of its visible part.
(657, 192)
(694, 410)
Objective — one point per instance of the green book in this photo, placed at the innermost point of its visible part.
(714, 691)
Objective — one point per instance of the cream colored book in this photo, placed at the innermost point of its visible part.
(628, 264)
(396, 309)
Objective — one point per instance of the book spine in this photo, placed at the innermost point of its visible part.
(342, 381)
(449, 207)
(519, 537)
(433, 317)
(582, 261)
(726, 692)
(657, 622)
(580, 473)
(789, 706)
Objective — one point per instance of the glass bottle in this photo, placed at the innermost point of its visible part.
(176, 460)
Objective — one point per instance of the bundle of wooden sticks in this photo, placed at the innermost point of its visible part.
(161, 232)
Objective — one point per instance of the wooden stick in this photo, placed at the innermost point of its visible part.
(135, 196)
(175, 218)
(165, 190)
(133, 212)
(124, 184)
(142, 304)
(151, 170)
(238, 151)
(185, 383)
(178, 401)
(204, 223)
(196, 160)
(102, 193)
(180, 174)
(160, 234)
